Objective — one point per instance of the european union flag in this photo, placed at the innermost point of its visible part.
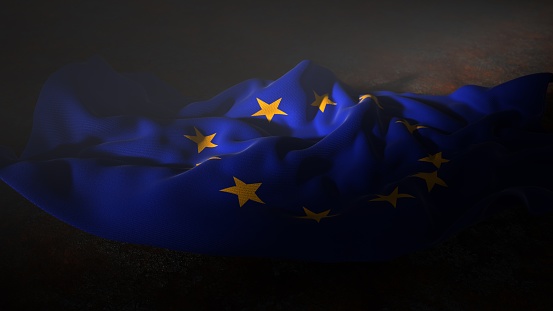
(301, 167)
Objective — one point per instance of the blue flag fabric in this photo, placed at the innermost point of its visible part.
(300, 168)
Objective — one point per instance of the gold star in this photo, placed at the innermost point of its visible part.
(269, 110)
(431, 179)
(202, 141)
(392, 197)
(316, 216)
(435, 159)
(210, 158)
(411, 127)
(363, 97)
(244, 191)
(322, 101)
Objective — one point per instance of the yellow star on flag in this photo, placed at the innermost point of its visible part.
(363, 97)
(210, 158)
(315, 216)
(244, 191)
(431, 179)
(269, 110)
(322, 101)
(392, 197)
(411, 127)
(435, 159)
(202, 141)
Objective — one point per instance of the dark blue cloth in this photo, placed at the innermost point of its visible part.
(300, 167)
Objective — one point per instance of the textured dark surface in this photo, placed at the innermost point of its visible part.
(505, 262)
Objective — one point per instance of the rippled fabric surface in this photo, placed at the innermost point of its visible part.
(300, 167)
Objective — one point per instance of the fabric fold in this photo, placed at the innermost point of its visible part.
(298, 168)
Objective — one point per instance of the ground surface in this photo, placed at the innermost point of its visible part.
(505, 262)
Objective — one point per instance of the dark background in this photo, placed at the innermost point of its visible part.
(503, 263)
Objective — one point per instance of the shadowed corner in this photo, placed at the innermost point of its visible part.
(547, 119)
(6, 156)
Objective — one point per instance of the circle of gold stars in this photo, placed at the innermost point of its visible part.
(247, 192)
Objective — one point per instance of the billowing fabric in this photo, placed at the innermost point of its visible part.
(298, 168)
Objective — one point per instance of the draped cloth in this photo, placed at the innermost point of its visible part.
(300, 168)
